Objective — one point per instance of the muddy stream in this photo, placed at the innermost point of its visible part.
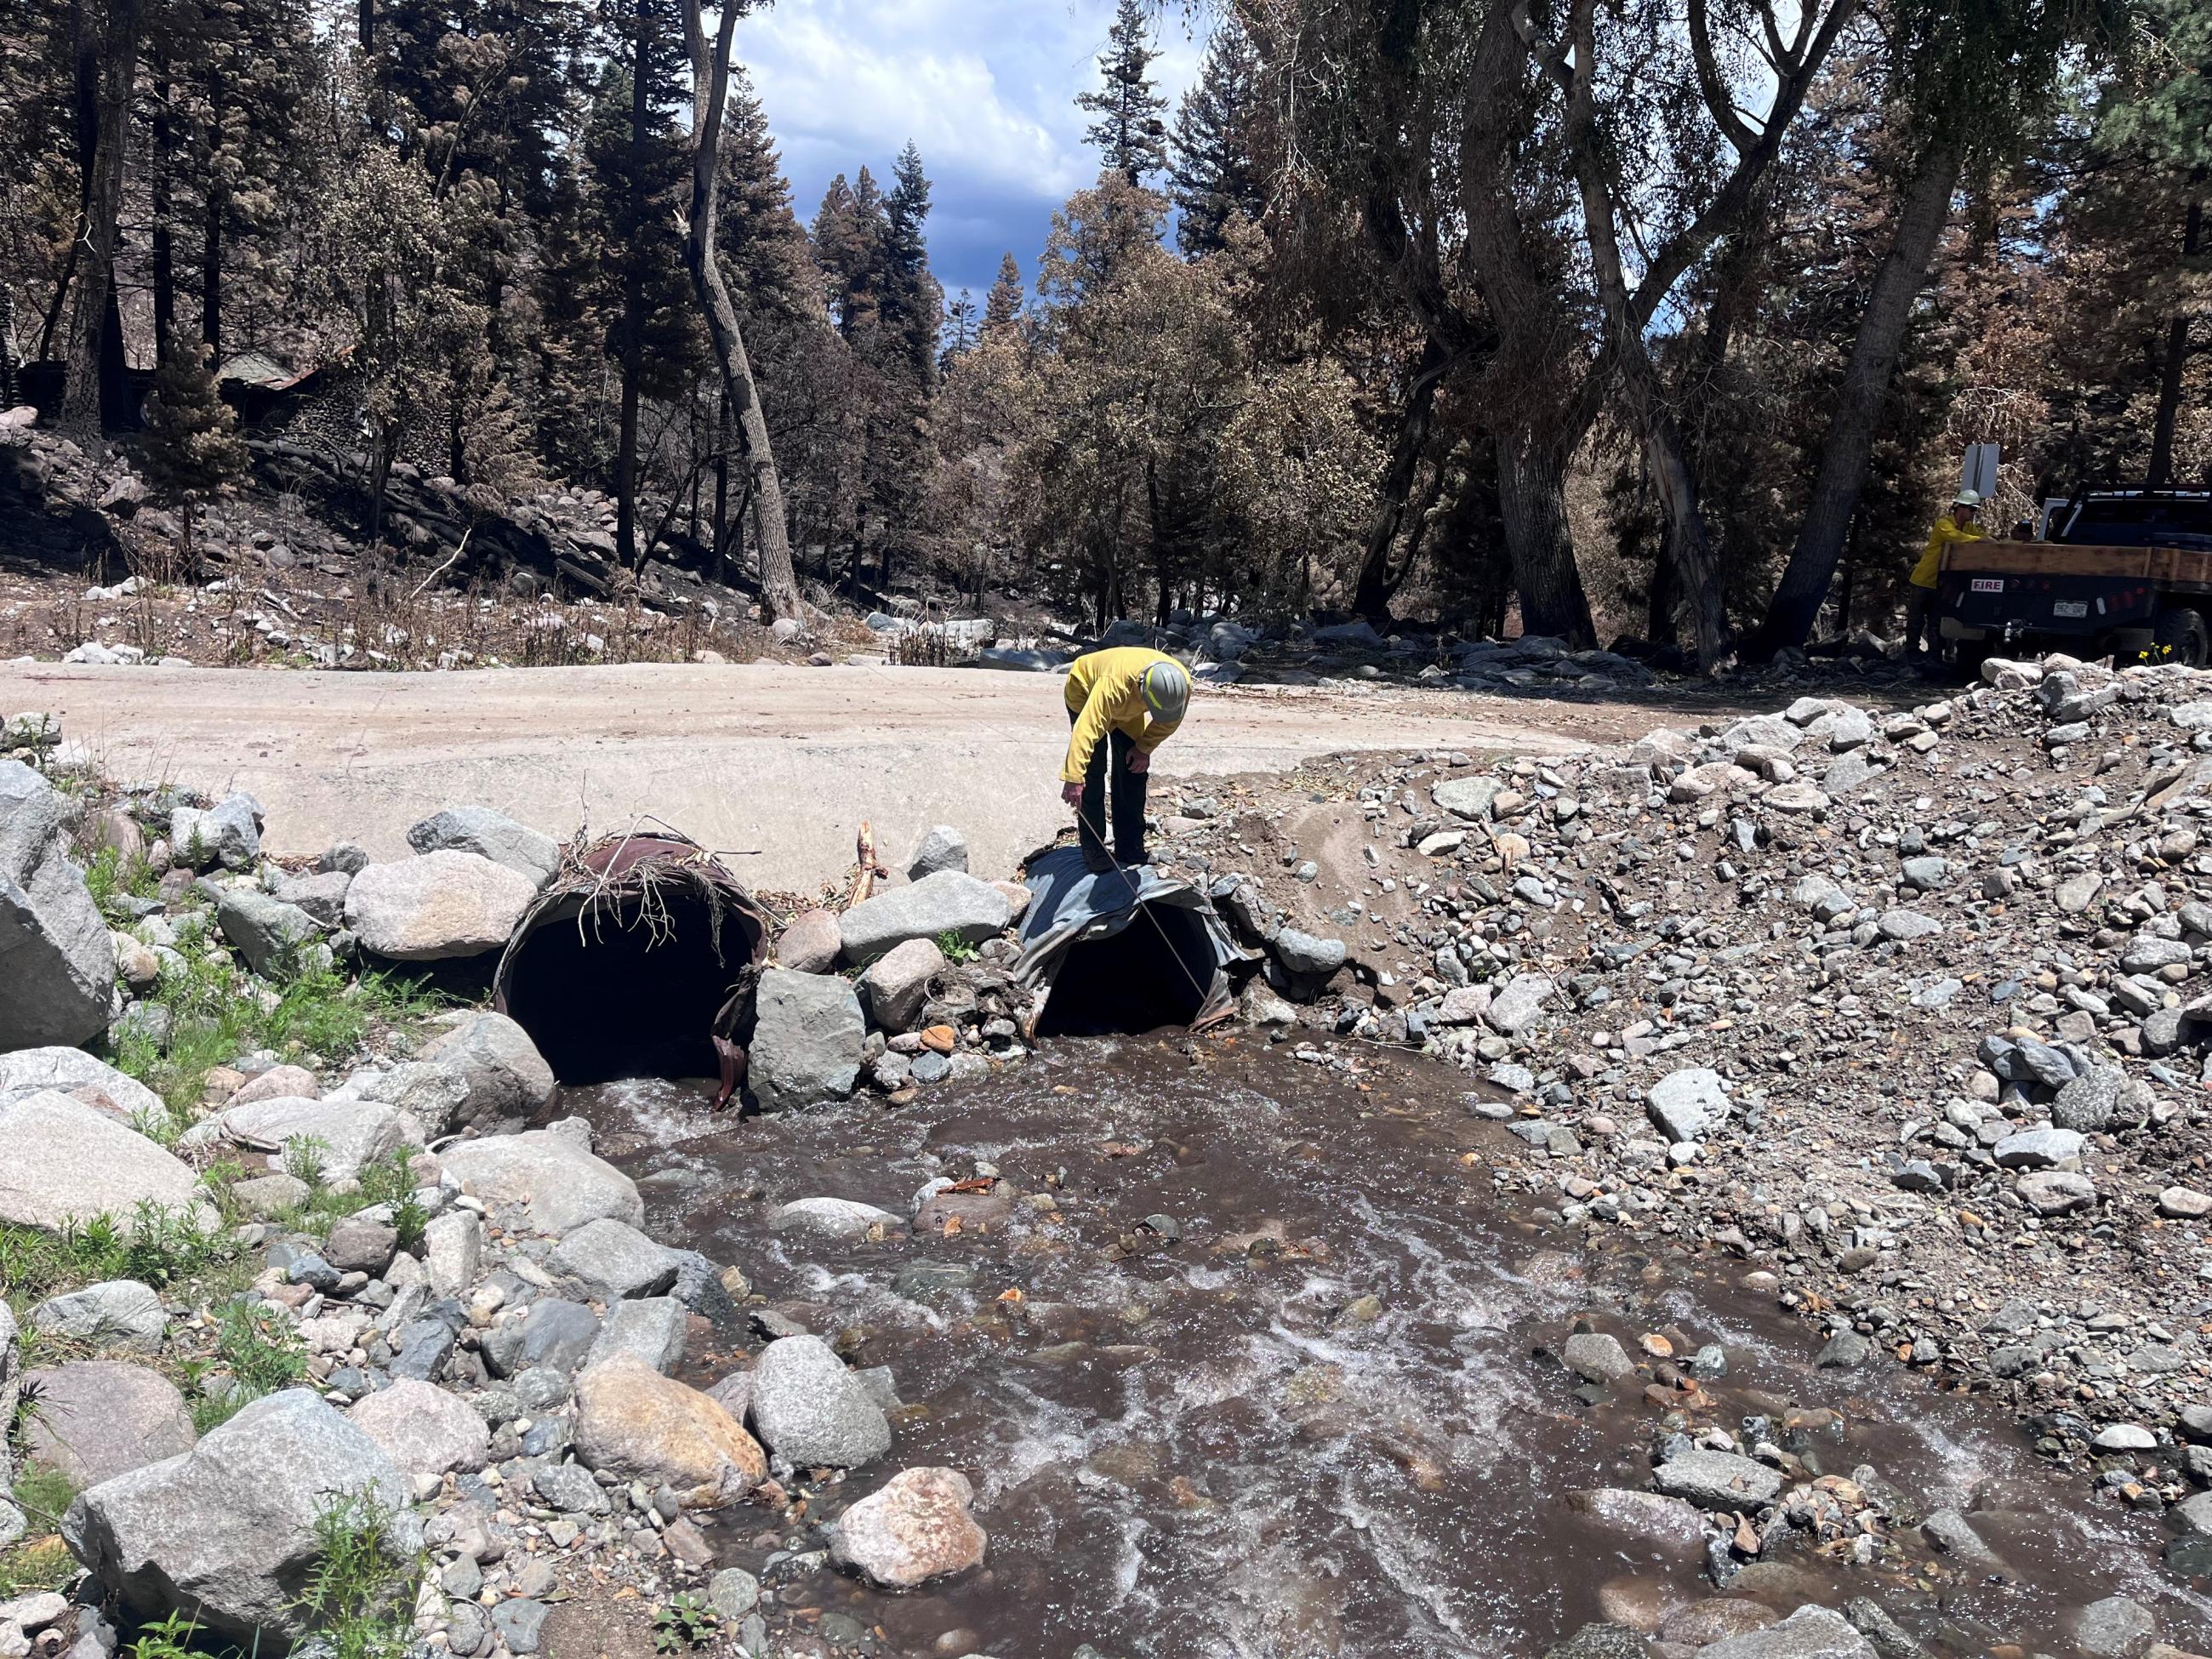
(1257, 1363)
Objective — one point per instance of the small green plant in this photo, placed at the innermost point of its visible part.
(111, 877)
(170, 1638)
(357, 1596)
(391, 1181)
(157, 1246)
(43, 1562)
(260, 1344)
(306, 1160)
(683, 1621)
(44, 1494)
(956, 948)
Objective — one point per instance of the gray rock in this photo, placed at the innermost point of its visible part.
(942, 848)
(452, 1250)
(226, 1532)
(489, 834)
(1685, 1105)
(833, 1218)
(1811, 1632)
(896, 984)
(519, 1622)
(1717, 1480)
(810, 1411)
(74, 1072)
(733, 1593)
(97, 1418)
(2056, 1192)
(1925, 875)
(121, 1314)
(949, 902)
(57, 957)
(1950, 1533)
(273, 937)
(438, 906)
(227, 834)
(66, 1162)
(321, 894)
(357, 1245)
(429, 1091)
(1596, 1357)
(650, 1329)
(611, 1261)
(1601, 1642)
(551, 1332)
(507, 1080)
(2040, 1149)
(2146, 953)
(1845, 1350)
(1515, 1009)
(1306, 954)
(2103, 1098)
(1903, 925)
(570, 1488)
(1468, 797)
(808, 1036)
(2114, 1628)
(551, 1170)
(352, 1133)
(810, 944)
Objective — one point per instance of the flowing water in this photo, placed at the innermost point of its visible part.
(1273, 1378)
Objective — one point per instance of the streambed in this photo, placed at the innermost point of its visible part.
(1258, 1365)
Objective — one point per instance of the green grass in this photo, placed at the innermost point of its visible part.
(42, 1562)
(260, 1347)
(217, 1013)
(360, 1594)
(154, 1245)
(111, 875)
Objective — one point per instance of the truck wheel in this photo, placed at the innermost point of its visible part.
(2181, 636)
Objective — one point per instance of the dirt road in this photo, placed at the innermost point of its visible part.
(776, 763)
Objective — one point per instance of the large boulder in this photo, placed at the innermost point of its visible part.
(612, 1260)
(442, 904)
(74, 1072)
(508, 1080)
(98, 1419)
(811, 1411)
(62, 1161)
(917, 1528)
(421, 1428)
(1811, 1632)
(552, 1171)
(1685, 1105)
(810, 943)
(226, 1532)
(271, 935)
(807, 1038)
(488, 833)
(950, 901)
(120, 1313)
(637, 1424)
(353, 1134)
(227, 834)
(57, 957)
(896, 984)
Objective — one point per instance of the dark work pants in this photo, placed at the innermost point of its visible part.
(1128, 798)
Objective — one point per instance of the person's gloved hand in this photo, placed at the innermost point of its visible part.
(1139, 762)
(1072, 794)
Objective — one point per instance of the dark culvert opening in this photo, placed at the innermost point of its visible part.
(1137, 979)
(628, 973)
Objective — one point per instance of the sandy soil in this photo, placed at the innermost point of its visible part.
(778, 765)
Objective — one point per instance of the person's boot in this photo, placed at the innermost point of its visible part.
(1096, 861)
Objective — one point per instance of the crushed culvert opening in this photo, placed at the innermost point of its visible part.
(639, 961)
(1128, 950)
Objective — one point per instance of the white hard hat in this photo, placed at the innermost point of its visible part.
(1167, 691)
(1968, 498)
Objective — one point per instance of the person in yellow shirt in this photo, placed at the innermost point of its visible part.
(1956, 525)
(1123, 703)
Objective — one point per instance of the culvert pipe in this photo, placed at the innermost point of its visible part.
(1124, 949)
(640, 960)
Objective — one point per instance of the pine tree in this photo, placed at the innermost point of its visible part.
(911, 297)
(1214, 175)
(1128, 133)
(192, 447)
(849, 228)
(1002, 306)
(771, 266)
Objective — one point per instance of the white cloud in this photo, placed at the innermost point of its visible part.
(985, 89)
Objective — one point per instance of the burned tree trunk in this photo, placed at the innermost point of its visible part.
(95, 388)
(710, 83)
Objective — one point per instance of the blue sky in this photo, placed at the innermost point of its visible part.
(986, 87)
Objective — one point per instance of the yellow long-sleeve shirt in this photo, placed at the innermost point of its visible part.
(1947, 530)
(1106, 692)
